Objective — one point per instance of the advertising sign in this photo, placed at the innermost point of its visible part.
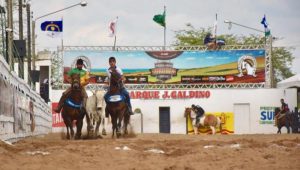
(227, 123)
(267, 115)
(175, 67)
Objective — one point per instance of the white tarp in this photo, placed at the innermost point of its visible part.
(293, 81)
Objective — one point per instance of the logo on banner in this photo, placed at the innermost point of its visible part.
(267, 115)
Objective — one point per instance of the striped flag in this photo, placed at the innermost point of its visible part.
(113, 27)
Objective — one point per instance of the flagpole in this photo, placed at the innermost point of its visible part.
(165, 29)
(115, 40)
(115, 43)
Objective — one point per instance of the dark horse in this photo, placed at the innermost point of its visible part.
(116, 106)
(284, 120)
(72, 108)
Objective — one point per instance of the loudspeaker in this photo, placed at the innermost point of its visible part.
(19, 48)
(35, 75)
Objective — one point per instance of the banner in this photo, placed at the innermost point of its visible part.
(176, 67)
(227, 122)
(267, 115)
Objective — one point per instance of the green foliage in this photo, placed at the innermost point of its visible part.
(282, 57)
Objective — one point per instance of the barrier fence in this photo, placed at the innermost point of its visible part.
(23, 112)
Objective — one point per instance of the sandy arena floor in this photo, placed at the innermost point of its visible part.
(155, 152)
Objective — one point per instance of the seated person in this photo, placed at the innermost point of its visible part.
(209, 41)
(199, 111)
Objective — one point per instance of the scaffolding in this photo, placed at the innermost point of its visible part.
(57, 66)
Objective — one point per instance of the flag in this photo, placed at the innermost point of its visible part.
(264, 22)
(54, 29)
(112, 28)
(160, 19)
(55, 26)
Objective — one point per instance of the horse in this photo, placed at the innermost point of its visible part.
(95, 105)
(283, 120)
(208, 120)
(72, 109)
(248, 67)
(116, 106)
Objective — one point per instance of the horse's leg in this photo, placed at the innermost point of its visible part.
(79, 123)
(72, 130)
(279, 129)
(213, 130)
(126, 122)
(120, 119)
(114, 125)
(68, 132)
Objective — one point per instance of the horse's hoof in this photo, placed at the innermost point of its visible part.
(104, 132)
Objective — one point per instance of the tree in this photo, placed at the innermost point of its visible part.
(282, 57)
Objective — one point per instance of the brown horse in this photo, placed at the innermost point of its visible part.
(116, 106)
(72, 108)
(283, 120)
(205, 121)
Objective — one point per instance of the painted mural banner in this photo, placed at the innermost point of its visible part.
(227, 121)
(267, 114)
(174, 67)
(57, 120)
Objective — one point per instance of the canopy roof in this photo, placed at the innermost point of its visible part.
(293, 81)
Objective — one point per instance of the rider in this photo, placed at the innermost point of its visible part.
(112, 64)
(210, 41)
(199, 112)
(84, 80)
(283, 110)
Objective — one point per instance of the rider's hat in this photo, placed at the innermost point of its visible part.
(193, 106)
(79, 61)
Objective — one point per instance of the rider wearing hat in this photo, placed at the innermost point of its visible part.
(84, 80)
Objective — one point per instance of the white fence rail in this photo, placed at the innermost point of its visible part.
(23, 112)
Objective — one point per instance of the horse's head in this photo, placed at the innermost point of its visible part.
(187, 111)
(115, 79)
(99, 99)
(75, 82)
(276, 111)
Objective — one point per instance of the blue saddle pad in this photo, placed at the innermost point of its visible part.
(116, 98)
(71, 103)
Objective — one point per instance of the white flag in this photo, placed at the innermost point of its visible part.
(113, 27)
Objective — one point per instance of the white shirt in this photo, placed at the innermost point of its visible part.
(108, 72)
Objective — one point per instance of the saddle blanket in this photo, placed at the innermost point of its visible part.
(116, 98)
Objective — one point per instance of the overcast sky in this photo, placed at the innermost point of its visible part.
(85, 26)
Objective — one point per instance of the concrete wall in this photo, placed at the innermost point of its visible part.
(220, 100)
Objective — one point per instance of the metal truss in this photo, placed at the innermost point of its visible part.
(160, 48)
(268, 62)
(176, 86)
(57, 66)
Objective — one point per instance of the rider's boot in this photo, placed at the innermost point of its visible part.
(130, 110)
(60, 105)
